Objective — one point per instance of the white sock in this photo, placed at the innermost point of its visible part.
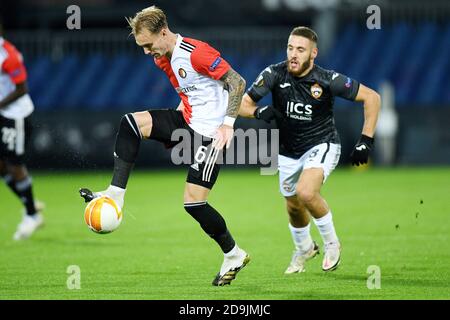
(117, 194)
(302, 238)
(116, 190)
(233, 252)
(326, 228)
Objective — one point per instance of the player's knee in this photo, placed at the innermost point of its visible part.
(306, 195)
(195, 193)
(144, 122)
(190, 197)
(295, 209)
(294, 212)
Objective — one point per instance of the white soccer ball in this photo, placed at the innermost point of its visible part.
(103, 215)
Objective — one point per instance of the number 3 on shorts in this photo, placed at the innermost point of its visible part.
(313, 153)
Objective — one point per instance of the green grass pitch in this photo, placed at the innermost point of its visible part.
(397, 219)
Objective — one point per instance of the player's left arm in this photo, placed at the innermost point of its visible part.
(207, 61)
(372, 103)
(347, 88)
(235, 85)
(350, 89)
(21, 89)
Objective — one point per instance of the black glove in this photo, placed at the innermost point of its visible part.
(360, 153)
(267, 113)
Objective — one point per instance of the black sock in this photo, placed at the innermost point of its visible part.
(121, 173)
(128, 140)
(25, 192)
(9, 181)
(212, 223)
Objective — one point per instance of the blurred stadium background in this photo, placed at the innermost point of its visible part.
(81, 81)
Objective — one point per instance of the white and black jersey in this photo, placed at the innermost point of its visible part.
(306, 104)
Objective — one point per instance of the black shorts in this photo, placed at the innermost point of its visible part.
(196, 149)
(14, 136)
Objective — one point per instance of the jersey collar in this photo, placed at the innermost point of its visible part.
(179, 39)
(177, 45)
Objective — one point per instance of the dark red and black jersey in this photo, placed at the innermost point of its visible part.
(306, 104)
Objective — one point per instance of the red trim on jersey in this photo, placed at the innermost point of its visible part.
(207, 60)
(164, 64)
(13, 64)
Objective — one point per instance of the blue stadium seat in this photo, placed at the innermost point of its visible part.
(395, 46)
(415, 63)
(57, 83)
(84, 83)
(414, 59)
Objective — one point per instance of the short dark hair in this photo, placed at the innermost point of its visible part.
(305, 32)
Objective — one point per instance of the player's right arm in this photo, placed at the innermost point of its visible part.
(262, 86)
(248, 107)
(21, 89)
(15, 69)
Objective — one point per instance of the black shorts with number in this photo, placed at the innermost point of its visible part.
(203, 169)
(14, 136)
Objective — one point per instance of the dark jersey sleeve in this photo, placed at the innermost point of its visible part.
(343, 86)
(263, 84)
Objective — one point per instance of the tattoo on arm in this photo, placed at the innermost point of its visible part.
(235, 85)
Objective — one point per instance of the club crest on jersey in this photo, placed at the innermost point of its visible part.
(316, 90)
(182, 73)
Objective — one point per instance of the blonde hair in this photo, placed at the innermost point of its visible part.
(152, 19)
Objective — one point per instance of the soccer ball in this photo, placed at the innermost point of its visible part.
(103, 215)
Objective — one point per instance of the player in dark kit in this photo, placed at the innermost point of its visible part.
(303, 98)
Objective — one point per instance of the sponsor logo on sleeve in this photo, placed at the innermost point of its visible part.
(260, 81)
(16, 73)
(348, 84)
(215, 64)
